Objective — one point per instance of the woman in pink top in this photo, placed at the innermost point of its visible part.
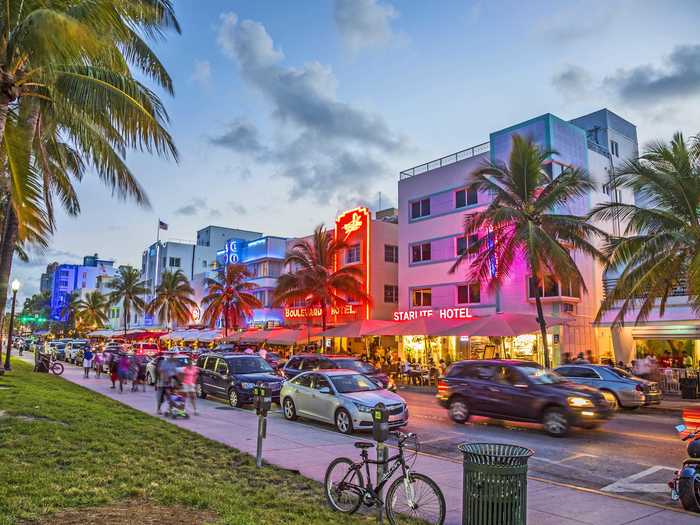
(189, 383)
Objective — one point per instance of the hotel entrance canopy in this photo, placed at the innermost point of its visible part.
(502, 324)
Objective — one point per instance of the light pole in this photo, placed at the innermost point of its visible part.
(15, 287)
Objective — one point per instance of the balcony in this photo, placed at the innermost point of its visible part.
(445, 161)
(553, 291)
(680, 290)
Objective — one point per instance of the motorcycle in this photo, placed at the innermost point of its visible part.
(685, 485)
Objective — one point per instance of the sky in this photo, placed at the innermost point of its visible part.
(285, 113)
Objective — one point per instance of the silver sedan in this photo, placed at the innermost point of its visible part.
(344, 398)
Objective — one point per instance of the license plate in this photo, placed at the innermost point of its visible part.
(392, 419)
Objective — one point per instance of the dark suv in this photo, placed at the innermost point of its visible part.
(305, 362)
(520, 391)
(233, 375)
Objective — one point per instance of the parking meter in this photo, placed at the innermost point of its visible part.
(262, 396)
(380, 423)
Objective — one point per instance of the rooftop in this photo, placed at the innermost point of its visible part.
(445, 161)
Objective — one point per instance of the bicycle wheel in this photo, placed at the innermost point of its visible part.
(415, 499)
(57, 368)
(343, 485)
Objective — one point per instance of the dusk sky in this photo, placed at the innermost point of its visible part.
(286, 112)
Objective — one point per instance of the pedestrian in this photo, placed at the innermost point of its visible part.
(262, 352)
(113, 369)
(189, 383)
(141, 372)
(589, 356)
(687, 360)
(164, 374)
(581, 360)
(249, 351)
(123, 371)
(98, 361)
(442, 367)
(87, 362)
(567, 358)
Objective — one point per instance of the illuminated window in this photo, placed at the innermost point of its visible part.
(391, 293)
(352, 255)
(420, 252)
(420, 208)
(466, 197)
(422, 297)
(391, 253)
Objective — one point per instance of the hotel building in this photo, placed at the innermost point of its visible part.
(434, 199)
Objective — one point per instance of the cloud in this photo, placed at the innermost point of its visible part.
(325, 147)
(237, 208)
(649, 83)
(241, 136)
(364, 23)
(201, 73)
(572, 79)
(558, 25)
(193, 208)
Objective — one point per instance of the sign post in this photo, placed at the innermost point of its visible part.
(380, 432)
(262, 395)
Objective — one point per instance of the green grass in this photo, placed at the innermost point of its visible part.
(71, 448)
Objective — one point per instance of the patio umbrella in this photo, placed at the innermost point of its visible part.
(254, 336)
(361, 328)
(288, 336)
(428, 326)
(501, 324)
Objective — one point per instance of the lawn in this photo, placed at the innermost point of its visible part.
(68, 455)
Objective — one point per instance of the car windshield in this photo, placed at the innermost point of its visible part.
(249, 365)
(356, 365)
(620, 372)
(349, 383)
(540, 376)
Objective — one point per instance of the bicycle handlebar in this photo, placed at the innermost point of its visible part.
(402, 437)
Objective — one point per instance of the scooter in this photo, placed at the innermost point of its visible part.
(685, 484)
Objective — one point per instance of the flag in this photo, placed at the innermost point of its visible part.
(162, 225)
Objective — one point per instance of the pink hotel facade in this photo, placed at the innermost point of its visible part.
(433, 203)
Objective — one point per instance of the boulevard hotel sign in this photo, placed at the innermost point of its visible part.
(315, 311)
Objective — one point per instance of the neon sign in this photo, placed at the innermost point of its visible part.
(459, 312)
(354, 224)
(317, 311)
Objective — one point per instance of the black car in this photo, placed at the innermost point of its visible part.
(233, 375)
(305, 362)
(520, 391)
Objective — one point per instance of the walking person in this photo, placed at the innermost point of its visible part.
(87, 362)
(141, 371)
(123, 371)
(164, 376)
(189, 383)
(98, 361)
(113, 369)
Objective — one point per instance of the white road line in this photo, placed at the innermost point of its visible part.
(569, 458)
(629, 483)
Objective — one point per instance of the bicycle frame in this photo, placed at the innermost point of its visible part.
(395, 462)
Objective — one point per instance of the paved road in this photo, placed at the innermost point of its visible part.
(645, 447)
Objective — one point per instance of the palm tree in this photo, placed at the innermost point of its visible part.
(523, 223)
(91, 312)
(229, 297)
(314, 278)
(68, 100)
(128, 288)
(69, 310)
(659, 250)
(173, 301)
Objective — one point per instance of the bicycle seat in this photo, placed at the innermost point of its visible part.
(363, 444)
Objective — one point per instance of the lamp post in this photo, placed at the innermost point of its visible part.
(15, 287)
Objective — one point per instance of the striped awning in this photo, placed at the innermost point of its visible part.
(669, 331)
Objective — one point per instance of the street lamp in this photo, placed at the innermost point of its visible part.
(15, 287)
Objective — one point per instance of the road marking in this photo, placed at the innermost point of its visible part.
(629, 483)
(569, 458)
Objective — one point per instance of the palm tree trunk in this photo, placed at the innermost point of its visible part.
(225, 320)
(126, 318)
(7, 251)
(543, 326)
(324, 315)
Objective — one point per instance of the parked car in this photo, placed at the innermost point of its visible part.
(520, 391)
(344, 398)
(233, 375)
(152, 365)
(145, 349)
(305, 362)
(620, 388)
(58, 349)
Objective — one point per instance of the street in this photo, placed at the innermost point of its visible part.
(634, 454)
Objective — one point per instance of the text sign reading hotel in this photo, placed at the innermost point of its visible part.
(316, 311)
(442, 313)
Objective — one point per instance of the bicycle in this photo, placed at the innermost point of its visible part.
(52, 365)
(411, 498)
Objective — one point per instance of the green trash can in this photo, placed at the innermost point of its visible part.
(494, 489)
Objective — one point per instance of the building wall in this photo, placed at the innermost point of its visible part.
(382, 273)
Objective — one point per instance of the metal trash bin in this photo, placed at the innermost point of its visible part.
(494, 489)
(689, 387)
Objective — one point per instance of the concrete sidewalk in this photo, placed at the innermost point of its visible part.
(309, 449)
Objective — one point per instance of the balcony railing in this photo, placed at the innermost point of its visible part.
(445, 161)
(680, 290)
(598, 148)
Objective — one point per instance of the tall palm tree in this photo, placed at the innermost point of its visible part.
(659, 250)
(173, 301)
(522, 222)
(92, 311)
(128, 288)
(229, 297)
(69, 311)
(314, 277)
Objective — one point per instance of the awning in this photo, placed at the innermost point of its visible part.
(502, 324)
(427, 326)
(360, 329)
(667, 331)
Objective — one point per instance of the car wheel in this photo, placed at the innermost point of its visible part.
(233, 398)
(290, 411)
(200, 390)
(459, 410)
(343, 421)
(555, 422)
(611, 398)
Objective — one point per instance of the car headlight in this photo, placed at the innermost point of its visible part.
(247, 386)
(580, 402)
(363, 408)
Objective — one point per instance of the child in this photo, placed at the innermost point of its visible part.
(87, 362)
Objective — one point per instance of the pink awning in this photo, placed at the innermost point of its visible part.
(361, 328)
(502, 324)
(287, 336)
(429, 326)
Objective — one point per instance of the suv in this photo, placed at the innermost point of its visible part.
(520, 391)
(305, 362)
(234, 375)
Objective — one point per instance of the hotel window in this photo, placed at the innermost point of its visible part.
(391, 293)
(464, 244)
(420, 208)
(420, 252)
(550, 288)
(422, 297)
(353, 254)
(391, 253)
(614, 148)
(174, 262)
(469, 293)
(466, 197)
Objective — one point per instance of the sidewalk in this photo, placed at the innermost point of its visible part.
(309, 450)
